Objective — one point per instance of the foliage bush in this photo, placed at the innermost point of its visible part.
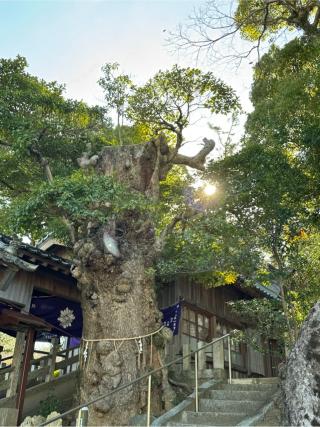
(48, 405)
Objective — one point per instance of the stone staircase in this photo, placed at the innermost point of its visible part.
(229, 404)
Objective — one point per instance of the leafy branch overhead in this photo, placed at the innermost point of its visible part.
(40, 129)
(43, 137)
(169, 101)
(82, 198)
(212, 28)
(117, 88)
(122, 196)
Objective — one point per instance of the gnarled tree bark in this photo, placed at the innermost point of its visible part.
(114, 274)
(301, 384)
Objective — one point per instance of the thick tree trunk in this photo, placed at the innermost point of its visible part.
(118, 294)
(301, 385)
(115, 275)
(118, 301)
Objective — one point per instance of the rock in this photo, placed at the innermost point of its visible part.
(33, 421)
(301, 383)
(56, 423)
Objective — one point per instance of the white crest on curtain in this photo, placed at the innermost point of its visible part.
(66, 318)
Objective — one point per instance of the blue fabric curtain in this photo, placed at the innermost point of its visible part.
(171, 317)
(66, 316)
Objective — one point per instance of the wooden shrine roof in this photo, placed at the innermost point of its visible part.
(16, 320)
(34, 255)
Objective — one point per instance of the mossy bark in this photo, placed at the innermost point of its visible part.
(118, 293)
(117, 286)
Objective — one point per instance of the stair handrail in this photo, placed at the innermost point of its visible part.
(148, 375)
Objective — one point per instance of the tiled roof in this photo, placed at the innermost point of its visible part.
(272, 290)
(29, 252)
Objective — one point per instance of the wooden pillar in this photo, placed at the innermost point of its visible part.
(218, 355)
(214, 326)
(25, 371)
(267, 359)
(52, 360)
(246, 358)
(16, 363)
(186, 362)
(218, 360)
(42, 364)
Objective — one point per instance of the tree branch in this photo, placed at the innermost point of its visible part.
(211, 24)
(45, 165)
(161, 240)
(11, 187)
(41, 159)
(154, 187)
(43, 162)
(183, 218)
(5, 143)
(316, 18)
(197, 161)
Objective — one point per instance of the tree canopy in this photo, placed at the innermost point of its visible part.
(168, 101)
(271, 184)
(43, 136)
(262, 218)
(36, 124)
(214, 26)
(67, 169)
(261, 19)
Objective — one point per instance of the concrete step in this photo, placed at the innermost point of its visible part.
(224, 418)
(229, 404)
(246, 406)
(251, 387)
(263, 380)
(272, 418)
(177, 423)
(230, 394)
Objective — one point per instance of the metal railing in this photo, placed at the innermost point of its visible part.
(83, 408)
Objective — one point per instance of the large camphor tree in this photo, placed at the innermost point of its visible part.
(59, 173)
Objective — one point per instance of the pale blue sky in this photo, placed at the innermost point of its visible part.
(69, 41)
